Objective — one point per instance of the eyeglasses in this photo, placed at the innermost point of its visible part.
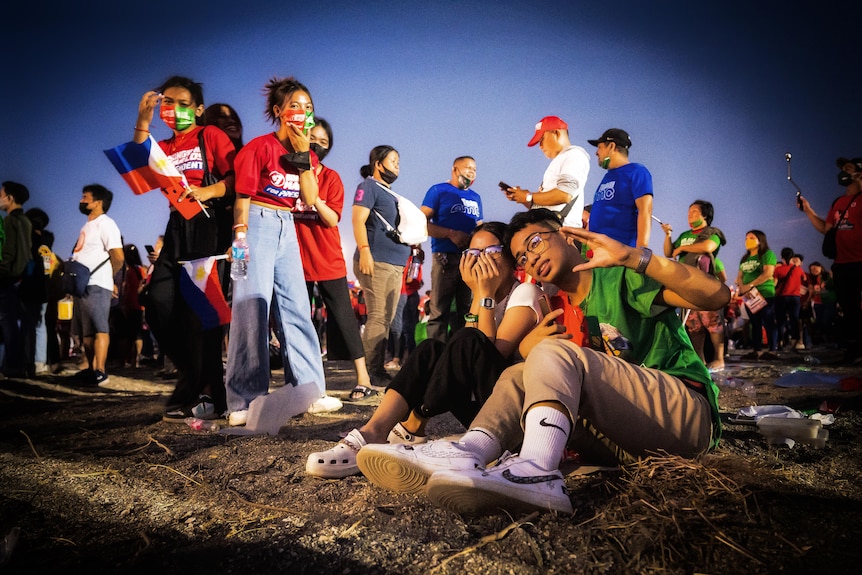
(490, 250)
(535, 245)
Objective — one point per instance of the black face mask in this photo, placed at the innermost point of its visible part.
(388, 176)
(319, 150)
(82, 207)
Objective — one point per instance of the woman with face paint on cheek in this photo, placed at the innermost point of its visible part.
(195, 351)
(323, 259)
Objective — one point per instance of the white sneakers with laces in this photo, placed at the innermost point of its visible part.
(514, 484)
(406, 468)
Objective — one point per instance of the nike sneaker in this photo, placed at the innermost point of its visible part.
(406, 468)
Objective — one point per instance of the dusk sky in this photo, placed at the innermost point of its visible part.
(713, 95)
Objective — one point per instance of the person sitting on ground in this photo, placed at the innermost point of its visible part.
(457, 376)
(643, 390)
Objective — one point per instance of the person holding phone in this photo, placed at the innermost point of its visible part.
(274, 172)
(456, 376)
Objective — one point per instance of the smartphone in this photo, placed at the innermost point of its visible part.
(504, 186)
(150, 249)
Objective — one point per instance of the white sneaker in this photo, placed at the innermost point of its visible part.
(399, 434)
(406, 468)
(325, 404)
(237, 418)
(513, 485)
(204, 408)
(338, 462)
(41, 368)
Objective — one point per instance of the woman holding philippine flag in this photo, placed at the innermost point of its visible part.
(194, 346)
(273, 172)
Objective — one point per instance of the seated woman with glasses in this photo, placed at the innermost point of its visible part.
(456, 376)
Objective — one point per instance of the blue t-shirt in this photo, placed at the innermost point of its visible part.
(614, 212)
(373, 195)
(454, 209)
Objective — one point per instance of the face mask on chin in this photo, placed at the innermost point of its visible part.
(387, 176)
(464, 182)
(697, 224)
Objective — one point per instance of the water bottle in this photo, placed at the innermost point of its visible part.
(415, 265)
(239, 257)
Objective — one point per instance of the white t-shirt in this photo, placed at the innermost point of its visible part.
(522, 295)
(96, 238)
(568, 172)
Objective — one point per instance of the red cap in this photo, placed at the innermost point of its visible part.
(545, 124)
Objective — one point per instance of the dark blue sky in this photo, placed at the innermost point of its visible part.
(713, 95)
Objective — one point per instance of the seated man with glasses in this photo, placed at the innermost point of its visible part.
(457, 376)
(628, 385)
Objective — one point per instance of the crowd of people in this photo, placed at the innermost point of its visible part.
(557, 330)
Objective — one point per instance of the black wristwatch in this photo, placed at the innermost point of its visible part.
(488, 303)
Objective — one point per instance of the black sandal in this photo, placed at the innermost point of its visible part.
(361, 392)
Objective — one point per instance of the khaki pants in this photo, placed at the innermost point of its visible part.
(622, 411)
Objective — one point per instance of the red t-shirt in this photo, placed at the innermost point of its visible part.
(788, 279)
(848, 238)
(320, 245)
(185, 152)
(263, 176)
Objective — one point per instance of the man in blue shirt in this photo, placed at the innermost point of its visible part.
(622, 206)
(453, 211)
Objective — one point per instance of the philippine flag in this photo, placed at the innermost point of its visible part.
(201, 289)
(145, 166)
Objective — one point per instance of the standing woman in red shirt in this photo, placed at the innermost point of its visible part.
(273, 172)
(323, 260)
(196, 352)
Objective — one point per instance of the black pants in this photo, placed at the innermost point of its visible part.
(342, 329)
(848, 291)
(457, 376)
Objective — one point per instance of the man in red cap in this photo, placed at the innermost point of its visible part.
(562, 188)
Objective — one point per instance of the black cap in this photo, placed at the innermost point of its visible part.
(615, 135)
(841, 162)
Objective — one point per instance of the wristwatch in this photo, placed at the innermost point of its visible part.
(488, 303)
(529, 198)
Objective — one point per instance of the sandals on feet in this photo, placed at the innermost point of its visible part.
(361, 392)
(338, 462)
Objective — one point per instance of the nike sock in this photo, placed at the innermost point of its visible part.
(482, 443)
(546, 432)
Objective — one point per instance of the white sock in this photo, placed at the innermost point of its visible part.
(482, 443)
(546, 432)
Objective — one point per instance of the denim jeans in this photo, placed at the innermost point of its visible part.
(274, 283)
(382, 291)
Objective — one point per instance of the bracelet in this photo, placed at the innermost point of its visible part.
(238, 226)
(471, 318)
(363, 247)
(137, 129)
(646, 256)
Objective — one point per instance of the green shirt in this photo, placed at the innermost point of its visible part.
(752, 266)
(621, 301)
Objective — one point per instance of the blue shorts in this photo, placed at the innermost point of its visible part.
(91, 311)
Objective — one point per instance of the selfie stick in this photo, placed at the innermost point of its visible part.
(661, 223)
(790, 179)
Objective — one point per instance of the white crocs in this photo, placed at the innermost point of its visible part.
(338, 462)
(399, 434)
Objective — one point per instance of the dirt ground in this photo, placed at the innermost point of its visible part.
(91, 478)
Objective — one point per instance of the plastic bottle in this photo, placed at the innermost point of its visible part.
(239, 257)
(415, 265)
(202, 424)
(811, 360)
